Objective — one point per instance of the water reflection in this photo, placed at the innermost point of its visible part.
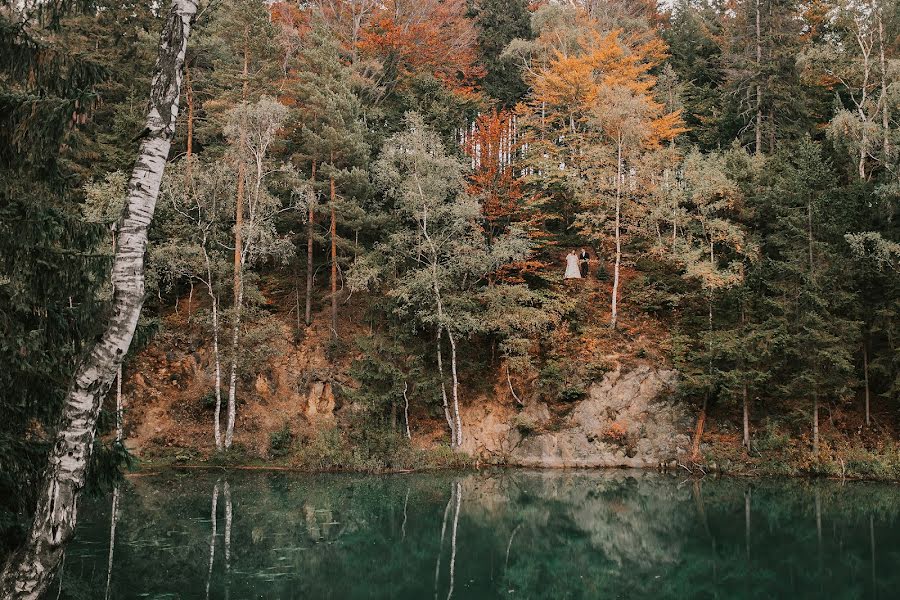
(501, 534)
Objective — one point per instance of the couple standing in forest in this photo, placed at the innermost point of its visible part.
(577, 264)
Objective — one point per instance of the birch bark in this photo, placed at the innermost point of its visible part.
(32, 568)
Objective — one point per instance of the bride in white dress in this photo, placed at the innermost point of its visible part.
(572, 270)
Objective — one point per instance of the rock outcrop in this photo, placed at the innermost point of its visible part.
(626, 420)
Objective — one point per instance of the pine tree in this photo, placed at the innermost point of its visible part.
(329, 142)
(499, 22)
(805, 299)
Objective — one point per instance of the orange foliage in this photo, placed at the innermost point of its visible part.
(289, 15)
(493, 179)
(569, 86)
(432, 36)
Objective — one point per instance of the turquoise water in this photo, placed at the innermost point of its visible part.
(498, 534)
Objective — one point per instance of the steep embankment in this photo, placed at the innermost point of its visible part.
(612, 405)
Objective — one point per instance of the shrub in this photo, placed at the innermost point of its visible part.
(280, 442)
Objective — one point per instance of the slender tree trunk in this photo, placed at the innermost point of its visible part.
(120, 418)
(744, 387)
(453, 539)
(815, 421)
(238, 281)
(872, 545)
(746, 439)
(189, 98)
(455, 388)
(334, 265)
(885, 102)
(818, 501)
(437, 566)
(759, 93)
(440, 364)
(455, 434)
(309, 246)
(113, 521)
(406, 410)
(615, 289)
(698, 431)
(747, 521)
(30, 570)
(228, 518)
(866, 379)
(212, 537)
(214, 302)
(403, 525)
(232, 379)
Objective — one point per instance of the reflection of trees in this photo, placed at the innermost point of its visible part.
(542, 534)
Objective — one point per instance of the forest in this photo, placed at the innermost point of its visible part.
(394, 185)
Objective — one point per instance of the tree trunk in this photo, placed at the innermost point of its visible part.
(113, 520)
(30, 570)
(232, 379)
(455, 388)
(746, 440)
(238, 281)
(189, 98)
(758, 83)
(334, 265)
(228, 518)
(747, 521)
(866, 379)
(615, 289)
(212, 536)
(453, 539)
(437, 566)
(885, 108)
(120, 421)
(440, 364)
(309, 247)
(815, 421)
(406, 410)
(214, 301)
(698, 432)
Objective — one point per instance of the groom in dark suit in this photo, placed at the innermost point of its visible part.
(583, 262)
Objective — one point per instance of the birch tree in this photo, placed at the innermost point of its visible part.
(252, 129)
(432, 260)
(193, 216)
(31, 569)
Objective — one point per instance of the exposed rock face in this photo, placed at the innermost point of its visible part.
(320, 402)
(627, 420)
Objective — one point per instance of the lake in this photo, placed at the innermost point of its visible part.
(492, 534)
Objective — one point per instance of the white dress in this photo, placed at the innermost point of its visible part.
(572, 270)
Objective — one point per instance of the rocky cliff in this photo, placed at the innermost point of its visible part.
(628, 419)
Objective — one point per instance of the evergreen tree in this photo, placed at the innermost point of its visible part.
(329, 142)
(500, 22)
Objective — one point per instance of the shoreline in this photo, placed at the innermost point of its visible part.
(157, 468)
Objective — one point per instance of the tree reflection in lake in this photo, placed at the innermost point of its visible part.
(613, 534)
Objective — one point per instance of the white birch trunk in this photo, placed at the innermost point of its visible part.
(232, 378)
(440, 364)
(113, 520)
(406, 410)
(228, 519)
(458, 426)
(453, 540)
(212, 537)
(437, 566)
(30, 570)
(214, 301)
(120, 422)
(615, 290)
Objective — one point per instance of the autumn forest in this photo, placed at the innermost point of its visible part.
(343, 243)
